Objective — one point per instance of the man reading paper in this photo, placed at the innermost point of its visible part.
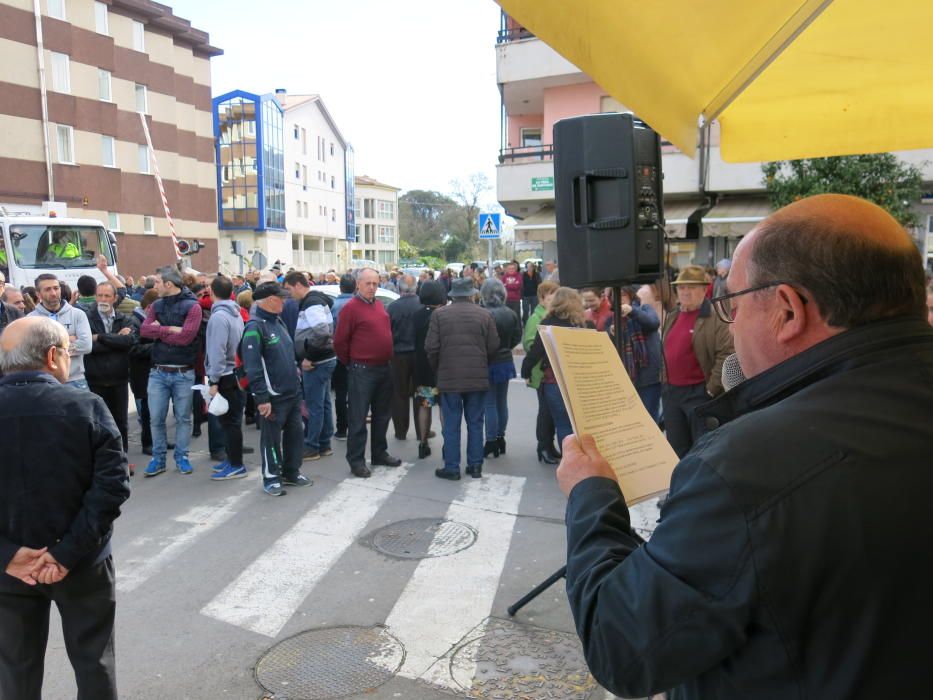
(788, 561)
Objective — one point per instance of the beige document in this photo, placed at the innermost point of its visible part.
(602, 402)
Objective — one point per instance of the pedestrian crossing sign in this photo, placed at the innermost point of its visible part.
(489, 225)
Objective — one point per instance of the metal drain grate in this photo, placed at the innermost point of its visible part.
(510, 660)
(331, 662)
(422, 538)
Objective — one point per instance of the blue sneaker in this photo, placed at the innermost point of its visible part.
(184, 466)
(298, 480)
(229, 472)
(155, 467)
(273, 488)
(220, 467)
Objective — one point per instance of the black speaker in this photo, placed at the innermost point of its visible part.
(608, 201)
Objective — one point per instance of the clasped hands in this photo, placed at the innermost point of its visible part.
(581, 460)
(32, 566)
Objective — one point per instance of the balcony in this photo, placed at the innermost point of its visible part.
(513, 34)
(525, 178)
(526, 154)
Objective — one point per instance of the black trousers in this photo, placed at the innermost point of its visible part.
(282, 439)
(404, 404)
(86, 601)
(544, 425)
(679, 402)
(516, 306)
(146, 427)
(117, 398)
(339, 383)
(369, 391)
(232, 421)
(528, 305)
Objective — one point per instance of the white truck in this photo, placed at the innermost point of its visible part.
(66, 247)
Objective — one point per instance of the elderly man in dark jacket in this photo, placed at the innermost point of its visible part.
(107, 368)
(461, 342)
(789, 558)
(63, 478)
(401, 312)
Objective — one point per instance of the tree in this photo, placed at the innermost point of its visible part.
(467, 195)
(879, 177)
(407, 251)
(424, 218)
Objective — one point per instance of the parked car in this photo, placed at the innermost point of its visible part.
(457, 267)
(386, 296)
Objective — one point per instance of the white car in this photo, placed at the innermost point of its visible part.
(386, 296)
(456, 267)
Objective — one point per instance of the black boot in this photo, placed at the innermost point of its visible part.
(501, 441)
(491, 447)
(545, 457)
(424, 450)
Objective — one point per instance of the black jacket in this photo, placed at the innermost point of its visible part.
(312, 298)
(793, 557)
(63, 473)
(140, 358)
(269, 357)
(401, 312)
(462, 340)
(108, 363)
(8, 314)
(424, 374)
(509, 328)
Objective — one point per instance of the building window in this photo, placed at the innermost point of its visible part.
(143, 158)
(61, 72)
(356, 208)
(142, 99)
(305, 207)
(333, 183)
(387, 234)
(298, 209)
(368, 209)
(296, 132)
(104, 85)
(304, 175)
(113, 221)
(386, 257)
(108, 155)
(325, 210)
(304, 141)
(386, 209)
(65, 142)
(333, 214)
(332, 149)
(149, 225)
(297, 171)
(139, 36)
(101, 18)
(57, 9)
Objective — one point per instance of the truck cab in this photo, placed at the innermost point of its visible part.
(65, 247)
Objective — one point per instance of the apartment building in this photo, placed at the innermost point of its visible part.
(709, 204)
(75, 76)
(376, 214)
(315, 184)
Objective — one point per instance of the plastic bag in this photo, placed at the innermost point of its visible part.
(218, 406)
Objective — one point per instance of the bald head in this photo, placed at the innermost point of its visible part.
(855, 260)
(35, 343)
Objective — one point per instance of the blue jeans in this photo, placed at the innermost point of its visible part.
(468, 404)
(497, 410)
(555, 402)
(651, 399)
(177, 387)
(316, 384)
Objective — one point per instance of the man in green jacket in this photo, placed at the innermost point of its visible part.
(544, 426)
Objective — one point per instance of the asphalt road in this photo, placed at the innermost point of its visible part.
(210, 576)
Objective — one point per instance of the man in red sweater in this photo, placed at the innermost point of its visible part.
(363, 343)
(513, 288)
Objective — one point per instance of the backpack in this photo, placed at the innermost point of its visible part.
(239, 369)
(314, 333)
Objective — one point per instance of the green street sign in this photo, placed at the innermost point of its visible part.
(542, 184)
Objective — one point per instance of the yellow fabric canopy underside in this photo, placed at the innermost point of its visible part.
(792, 79)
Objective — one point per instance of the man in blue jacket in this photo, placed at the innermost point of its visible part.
(63, 478)
(789, 558)
(269, 359)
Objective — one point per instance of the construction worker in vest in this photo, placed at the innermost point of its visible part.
(63, 247)
(3, 259)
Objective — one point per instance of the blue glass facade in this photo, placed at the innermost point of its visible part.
(249, 142)
(350, 192)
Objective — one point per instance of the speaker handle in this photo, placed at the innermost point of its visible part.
(582, 194)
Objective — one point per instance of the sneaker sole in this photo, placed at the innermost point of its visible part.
(280, 493)
(311, 458)
(229, 477)
(326, 453)
(148, 474)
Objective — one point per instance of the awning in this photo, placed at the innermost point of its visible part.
(539, 226)
(735, 216)
(676, 214)
(785, 78)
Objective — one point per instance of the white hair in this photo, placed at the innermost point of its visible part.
(30, 353)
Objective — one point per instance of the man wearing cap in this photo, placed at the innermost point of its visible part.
(269, 361)
(462, 340)
(696, 343)
(363, 343)
(172, 322)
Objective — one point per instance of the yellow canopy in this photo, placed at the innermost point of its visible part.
(785, 78)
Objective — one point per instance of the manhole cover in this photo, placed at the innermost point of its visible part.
(510, 660)
(330, 663)
(423, 537)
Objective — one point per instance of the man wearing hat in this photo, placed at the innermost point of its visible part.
(269, 360)
(172, 322)
(462, 340)
(696, 343)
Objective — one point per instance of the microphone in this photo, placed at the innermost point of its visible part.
(732, 374)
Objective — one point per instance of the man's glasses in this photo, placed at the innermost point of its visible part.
(725, 311)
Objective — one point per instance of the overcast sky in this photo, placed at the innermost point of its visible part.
(411, 84)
